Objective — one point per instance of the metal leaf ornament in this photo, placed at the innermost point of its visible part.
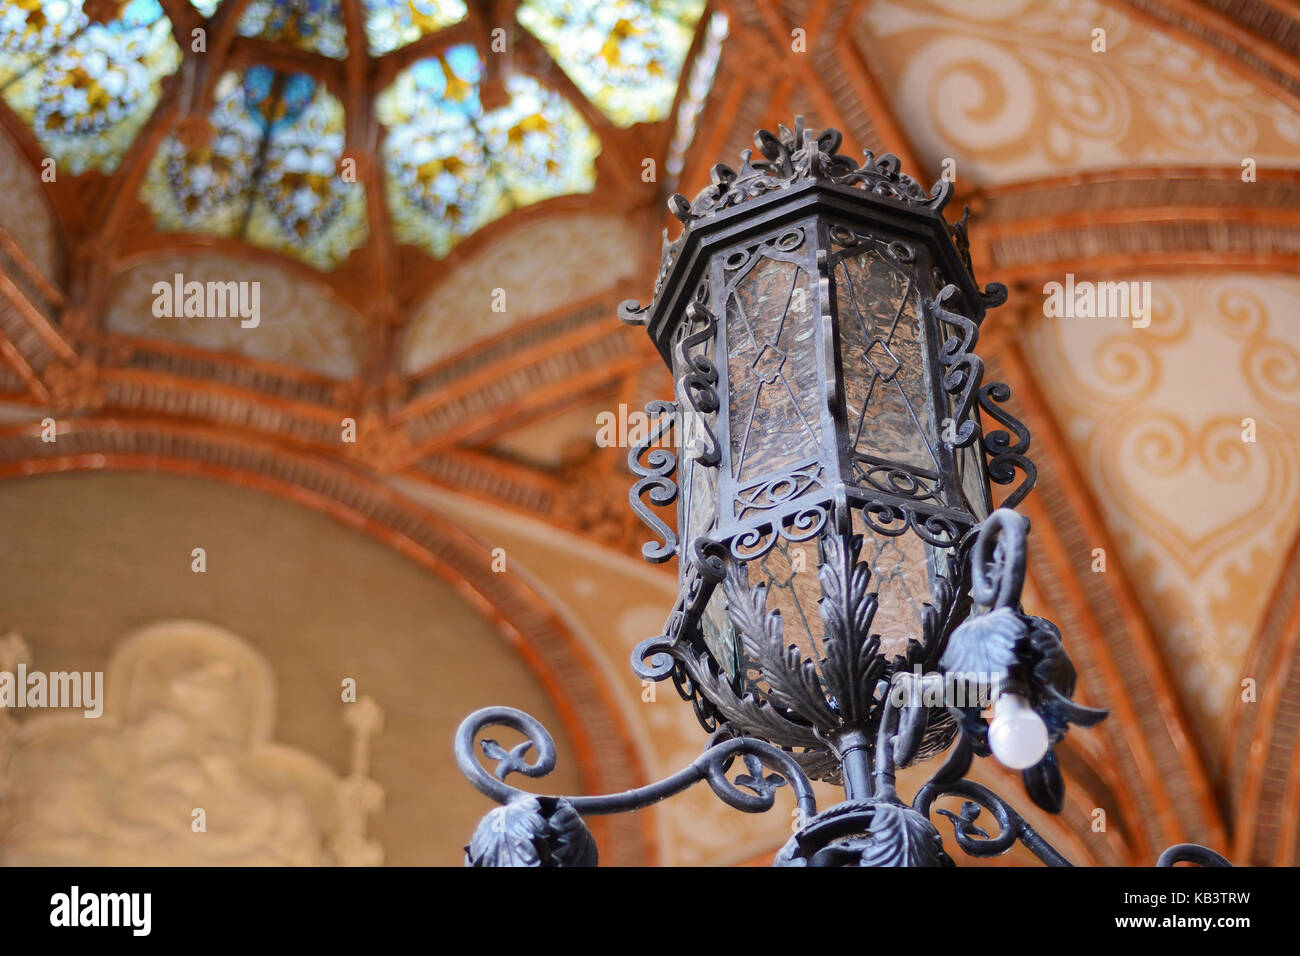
(1013, 652)
(866, 833)
(532, 831)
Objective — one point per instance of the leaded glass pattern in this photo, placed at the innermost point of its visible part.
(771, 360)
(392, 24)
(269, 174)
(890, 411)
(84, 89)
(640, 47)
(452, 167)
(315, 25)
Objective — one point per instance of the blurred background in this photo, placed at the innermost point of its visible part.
(302, 540)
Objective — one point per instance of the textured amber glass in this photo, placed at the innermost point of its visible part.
(900, 576)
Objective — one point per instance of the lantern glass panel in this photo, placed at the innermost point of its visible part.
(771, 359)
(901, 569)
(972, 481)
(719, 633)
(888, 403)
(790, 572)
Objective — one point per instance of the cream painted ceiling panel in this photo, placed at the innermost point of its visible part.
(1012, 90)
(1160, 419)
(24, 214)
(300, 322)
(539, 267)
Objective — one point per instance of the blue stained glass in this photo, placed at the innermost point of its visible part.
(269, 175)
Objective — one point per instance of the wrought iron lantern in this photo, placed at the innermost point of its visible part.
(849, 599)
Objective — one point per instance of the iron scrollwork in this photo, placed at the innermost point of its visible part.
(797, 693)
(548, 831)
(875, 715)
(654, 466)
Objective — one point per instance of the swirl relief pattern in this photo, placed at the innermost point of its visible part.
(1012, 90)
(1203, 516)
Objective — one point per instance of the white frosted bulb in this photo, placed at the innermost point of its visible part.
(1017, 735)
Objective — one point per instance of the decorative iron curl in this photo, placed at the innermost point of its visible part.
(1006, 458)
(998, 560)
(655, 481)
(1191, 853)
(894, 520)
(974, 840)
(698, 386)
(964, 369)
(795, 155)
(751, 793)
(949, 781)
(752, 543)
(651, 660)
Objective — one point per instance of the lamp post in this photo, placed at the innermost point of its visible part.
(848, 599)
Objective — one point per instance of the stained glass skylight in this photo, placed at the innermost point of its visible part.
(624, 55)
(315, 25)
(85, 89)
(391, 24)
(451, 167)
(269, 174)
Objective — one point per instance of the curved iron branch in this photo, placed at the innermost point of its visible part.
(974, 840)
(1191, 853)
(752, 792)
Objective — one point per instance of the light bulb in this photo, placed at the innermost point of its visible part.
(1017, 735)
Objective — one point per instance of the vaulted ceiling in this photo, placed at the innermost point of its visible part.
(452, 289)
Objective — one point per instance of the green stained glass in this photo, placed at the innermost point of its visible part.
(452, 167)
(392, 24)
(268, 175)
(624, 55)
(315, 25)
(85, 89)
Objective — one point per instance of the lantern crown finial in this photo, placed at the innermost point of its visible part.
(794, 156)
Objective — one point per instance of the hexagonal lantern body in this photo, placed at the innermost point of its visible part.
(818, 317)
